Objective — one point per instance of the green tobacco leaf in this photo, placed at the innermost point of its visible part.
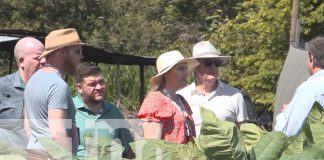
(102, 148)
(12, 157)
(251, 134)
(312, 134)
(7, 149)
(312, 127)
(55, 150)
(317, 130)
(189, 151)
(153, 149)
(270, 146)
(314, 152)
(296, 144)
(316, 115)
(220, 139)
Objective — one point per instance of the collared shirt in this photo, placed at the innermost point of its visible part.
(292, 119)
(11, 109)
(108, 123)
(225, 101)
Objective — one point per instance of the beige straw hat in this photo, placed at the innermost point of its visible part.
(60, 38)
(169, 59)
(205, 49)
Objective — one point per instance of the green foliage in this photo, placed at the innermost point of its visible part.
(100, 148)
(257, 38)
(155, 148)
(146, 28)
(308, 144)
(251, 134)
(4, 61)
(221, 136)
(270, 146)
(150, 149)
(9, 152)
(55, 150)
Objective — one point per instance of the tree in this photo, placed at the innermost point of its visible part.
(258, 39)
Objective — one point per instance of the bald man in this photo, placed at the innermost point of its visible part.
(27, 51)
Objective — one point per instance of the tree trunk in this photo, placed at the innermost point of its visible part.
(294, 19)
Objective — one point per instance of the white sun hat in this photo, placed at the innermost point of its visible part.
(169, 59)
(205, 50)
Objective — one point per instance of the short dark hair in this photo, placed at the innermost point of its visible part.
(315, 47)
(86, 69)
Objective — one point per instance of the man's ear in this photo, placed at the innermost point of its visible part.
(310, 58)
(21, 62)
(79, 88)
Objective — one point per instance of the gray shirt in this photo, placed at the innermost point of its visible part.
(11, 110)
(46, 91)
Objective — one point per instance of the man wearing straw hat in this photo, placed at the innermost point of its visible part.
(49, 106)
(208, 91)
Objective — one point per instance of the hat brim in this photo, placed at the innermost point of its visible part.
(46, 53)
(223, 59)
(192, 64)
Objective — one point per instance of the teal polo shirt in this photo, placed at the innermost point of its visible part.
(108, 123)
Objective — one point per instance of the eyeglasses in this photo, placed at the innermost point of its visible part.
(209, 63)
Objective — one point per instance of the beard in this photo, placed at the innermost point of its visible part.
(71, 67)
(93, 100)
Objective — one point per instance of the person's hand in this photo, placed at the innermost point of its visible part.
(284, 107)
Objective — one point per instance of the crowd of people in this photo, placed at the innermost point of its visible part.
(36, 102)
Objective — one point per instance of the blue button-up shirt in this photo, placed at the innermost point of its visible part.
(11, 109)
(292, 119)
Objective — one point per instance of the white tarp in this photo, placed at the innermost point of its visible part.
(7, 38)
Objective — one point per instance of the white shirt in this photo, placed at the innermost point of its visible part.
(225, 101)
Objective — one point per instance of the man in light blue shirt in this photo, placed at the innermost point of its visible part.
(294, 114)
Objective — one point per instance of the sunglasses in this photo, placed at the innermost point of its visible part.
(209, 63)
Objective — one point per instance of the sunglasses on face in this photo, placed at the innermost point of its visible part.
(209, 63)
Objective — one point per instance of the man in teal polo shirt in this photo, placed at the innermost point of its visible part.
(97, 119)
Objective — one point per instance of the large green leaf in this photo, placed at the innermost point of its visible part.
(316, 115)
(190, 151)
(302, 145)
(315, 152)
(98, 148)
(55, 150)
(8, 149)
(270, 146)
(9, 152)
(220, 139)
(251, 134)
(314, 124)
(296, 144)
(152, 149)
(317, 130)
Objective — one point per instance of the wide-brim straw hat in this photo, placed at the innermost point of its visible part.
(205, 50)
(60, 38)
(169, 59)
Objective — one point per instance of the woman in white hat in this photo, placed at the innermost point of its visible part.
(167, 115)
